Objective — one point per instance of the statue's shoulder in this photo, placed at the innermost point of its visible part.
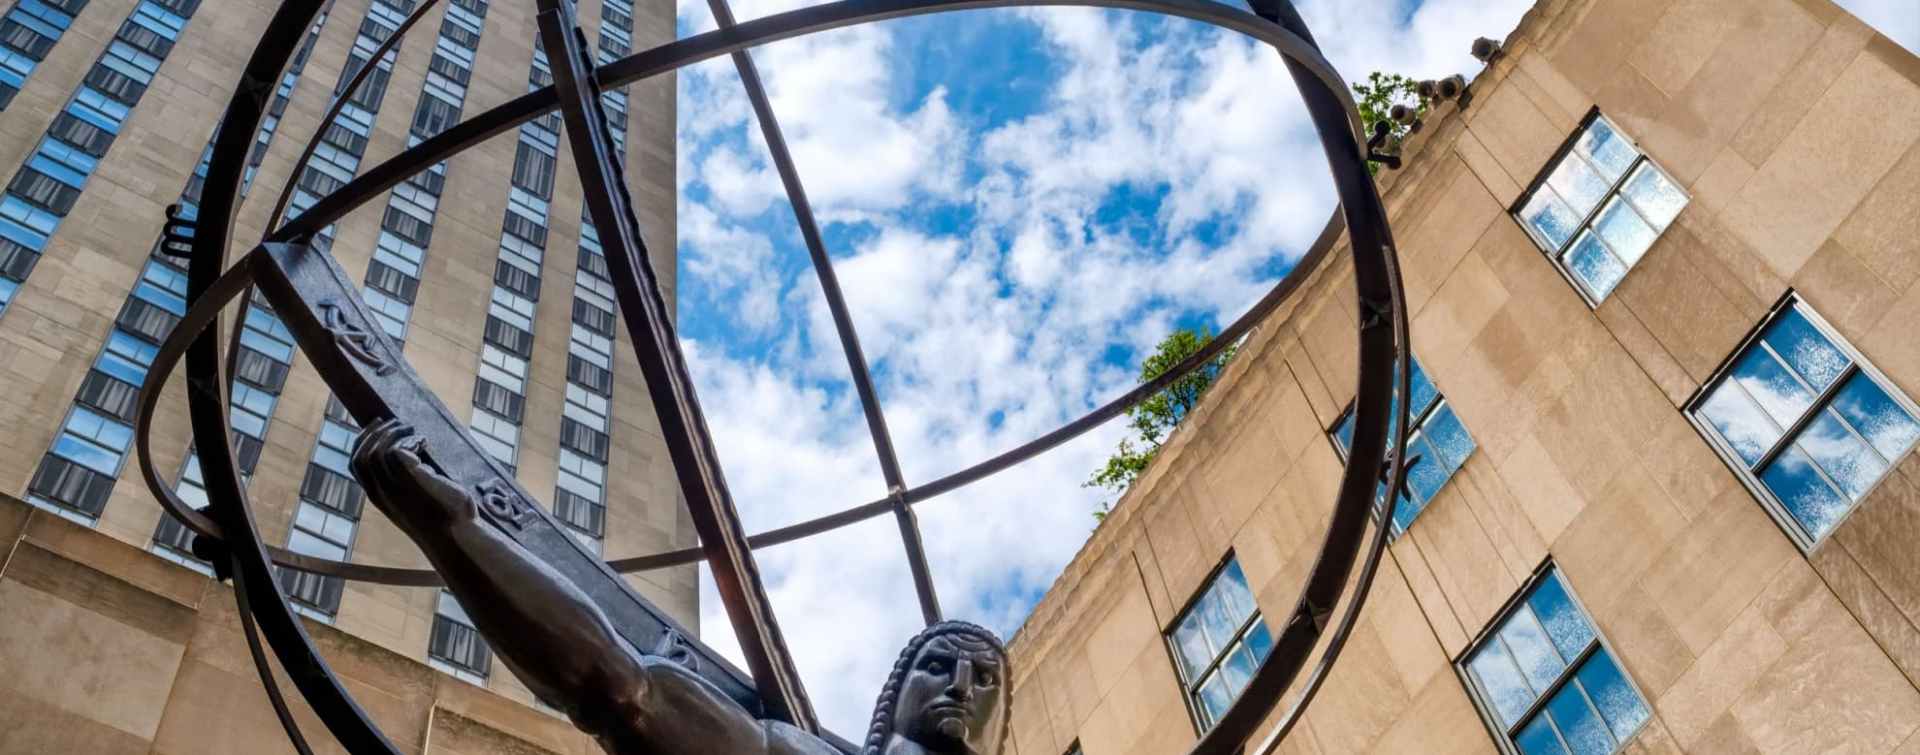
(785, 739)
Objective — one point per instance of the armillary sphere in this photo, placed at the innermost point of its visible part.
(366, 371)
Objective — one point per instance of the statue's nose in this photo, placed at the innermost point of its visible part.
(961, 688)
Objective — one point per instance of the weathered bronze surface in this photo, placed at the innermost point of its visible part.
(562, 619)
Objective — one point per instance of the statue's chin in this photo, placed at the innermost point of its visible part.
(952, 728)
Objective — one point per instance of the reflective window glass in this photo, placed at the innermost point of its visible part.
(1806, 423)
(1547, 681)
(1598, 207)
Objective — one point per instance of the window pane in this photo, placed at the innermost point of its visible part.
(1811, 501)
(1596, 267)
(1871, 411)
(1343, 432)
(1806, 350)
(1609, 691)
(1656, 197)
(1192, 643)
(1564, 621)
(1405, 511)
(1625, 232)
(1259, 642)
(1215, 699)
(1842, 455)
(1579, 185)
(1550, 217)
(1740, 422)
(1217, 620)
(1425, 478)
(1538, 739)
(1609, 150)
(1238, 670)
(1422, 389)
(1771, 386)
(1237, 600)
(1531, 649)
(1449, 438)
(1582, 729)
(1501, 682)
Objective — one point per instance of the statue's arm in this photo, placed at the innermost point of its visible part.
(543, 626)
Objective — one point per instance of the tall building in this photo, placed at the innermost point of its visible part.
(1661, 272)
(115, 637)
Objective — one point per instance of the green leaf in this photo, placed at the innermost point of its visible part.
(1153, 419)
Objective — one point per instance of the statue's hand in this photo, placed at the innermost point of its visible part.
(390, 463)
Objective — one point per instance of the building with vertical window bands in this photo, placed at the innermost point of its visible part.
(44, 190)
(500, 390)
(98, 583)
(322, 526)
(1661, 273)
(27, 33)
(328, 511)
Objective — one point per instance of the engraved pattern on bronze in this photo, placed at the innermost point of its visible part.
(354, 340)
(501, 505)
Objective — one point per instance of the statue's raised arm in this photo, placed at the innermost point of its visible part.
(945, 696)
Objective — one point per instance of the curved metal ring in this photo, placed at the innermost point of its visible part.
(744, 36)
(1334, 117)
(780, 26)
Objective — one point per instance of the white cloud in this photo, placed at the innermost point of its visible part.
(985, 334)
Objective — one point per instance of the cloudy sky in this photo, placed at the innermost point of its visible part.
(1019, 204)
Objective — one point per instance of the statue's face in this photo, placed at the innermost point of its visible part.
(952, 700)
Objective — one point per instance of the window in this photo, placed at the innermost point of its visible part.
(1598, 207)
(1546, 681)
(1218, 643)
(1804, 421)
(455, 646)
(1439, 442)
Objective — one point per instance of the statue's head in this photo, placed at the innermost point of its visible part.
(947, 693)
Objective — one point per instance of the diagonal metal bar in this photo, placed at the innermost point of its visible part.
(670, 386)
(857, 364)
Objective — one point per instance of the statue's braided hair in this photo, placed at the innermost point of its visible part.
(882, 728)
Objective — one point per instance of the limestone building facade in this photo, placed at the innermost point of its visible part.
(113, 638)
(1662, 278)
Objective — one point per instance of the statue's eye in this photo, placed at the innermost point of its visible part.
(985, 678)
(936, 667)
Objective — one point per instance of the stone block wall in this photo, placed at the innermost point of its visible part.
(54, 328)
(1795, 129)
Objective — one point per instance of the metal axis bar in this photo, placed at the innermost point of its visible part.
(857, 365)
(649, 324)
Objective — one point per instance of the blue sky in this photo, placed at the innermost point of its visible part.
(1019, 204)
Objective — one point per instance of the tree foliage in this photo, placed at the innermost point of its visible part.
(1154, 419)
(1376, 98)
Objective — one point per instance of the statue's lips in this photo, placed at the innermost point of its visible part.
(951, 709)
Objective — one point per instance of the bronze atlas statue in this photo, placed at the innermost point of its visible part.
(557, 614)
